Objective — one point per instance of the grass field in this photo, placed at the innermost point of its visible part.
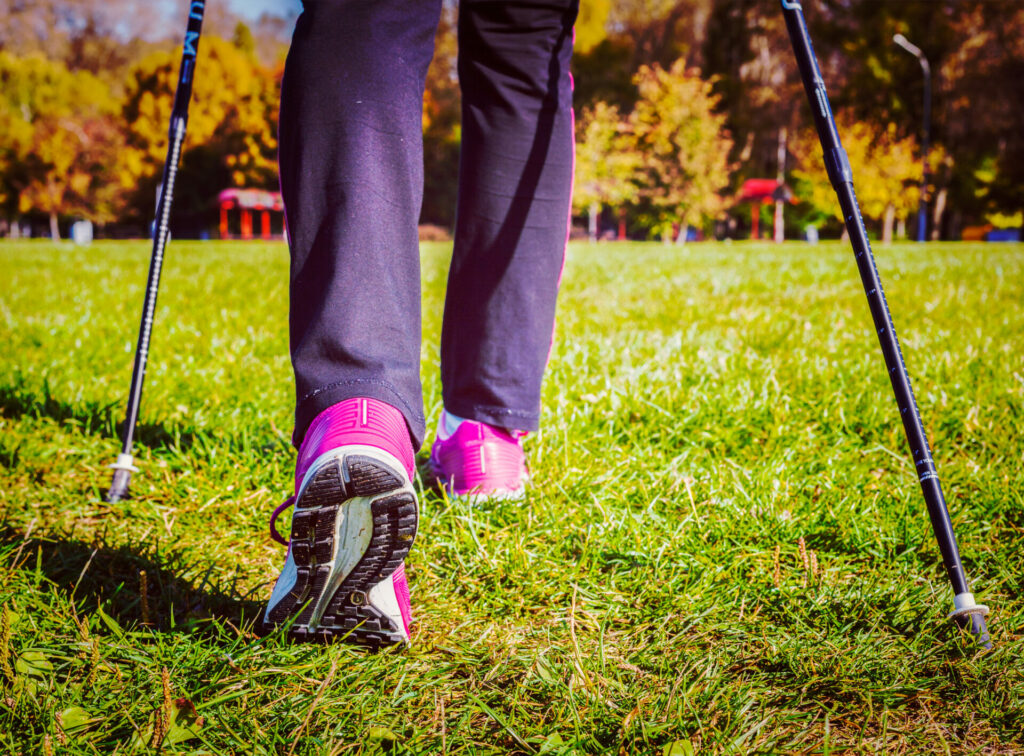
(706, 408)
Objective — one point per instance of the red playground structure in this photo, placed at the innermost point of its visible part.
(763, 192)
(248, 201)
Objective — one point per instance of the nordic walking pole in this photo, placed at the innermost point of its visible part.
(124, 466)
(966, 613)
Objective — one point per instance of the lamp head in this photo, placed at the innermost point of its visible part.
(907, 45)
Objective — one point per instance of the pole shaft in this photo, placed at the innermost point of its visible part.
(161, 234)
(838, 167)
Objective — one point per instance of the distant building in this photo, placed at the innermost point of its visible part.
(237, 207)
(763, 192)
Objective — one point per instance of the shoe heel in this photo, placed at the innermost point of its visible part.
(348, 495)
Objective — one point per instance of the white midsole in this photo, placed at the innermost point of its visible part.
(352, 536)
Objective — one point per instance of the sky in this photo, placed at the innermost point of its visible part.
(251, 9)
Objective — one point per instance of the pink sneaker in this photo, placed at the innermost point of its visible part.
(477, 459)
(354, 523)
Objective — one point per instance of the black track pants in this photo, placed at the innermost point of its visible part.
(351, 154)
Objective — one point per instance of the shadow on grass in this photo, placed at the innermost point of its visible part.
(93, 418)
(431, 485)
(19, 399)
(180, 597)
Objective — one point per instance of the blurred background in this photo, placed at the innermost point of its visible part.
(691, 119)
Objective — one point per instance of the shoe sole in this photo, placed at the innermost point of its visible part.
(338, 486)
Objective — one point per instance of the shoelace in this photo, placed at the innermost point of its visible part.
(274, 535)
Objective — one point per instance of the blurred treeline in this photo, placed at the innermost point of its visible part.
(677, 101)
(85, 97)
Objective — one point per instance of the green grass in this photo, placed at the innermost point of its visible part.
(705, 409)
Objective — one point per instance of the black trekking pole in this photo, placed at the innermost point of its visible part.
(966, 613)
(124, 466)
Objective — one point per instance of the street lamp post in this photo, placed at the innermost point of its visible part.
(922, 211)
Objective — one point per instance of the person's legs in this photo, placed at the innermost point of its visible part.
(351, 155)
(515, 186)
(515, 182)
(352, 178)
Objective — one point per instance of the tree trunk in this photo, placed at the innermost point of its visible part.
(890, 216)
(901, 228)
(622, 224)
(846, 234)
(592, 213)
(940, 209)
(780, 178)
(54, 227)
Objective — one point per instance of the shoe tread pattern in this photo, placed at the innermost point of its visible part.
(394, 529)
(312, 544)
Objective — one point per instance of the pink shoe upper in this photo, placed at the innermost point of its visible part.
(356, 421)
(401, 587)
(479, 459)
(366, 422)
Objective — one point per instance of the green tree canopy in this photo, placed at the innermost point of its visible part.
(607, 161)
(684, 145)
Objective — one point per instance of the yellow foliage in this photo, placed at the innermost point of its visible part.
(886, 170)
(1005, 220)
(59, 136)
(606, 159)
(684, 146)
(590, 24)
(233, 108)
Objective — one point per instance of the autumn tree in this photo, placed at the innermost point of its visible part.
(684, 148)
(976, 53)
(232, 130)
(606, 162)
(590, 25)
(887, 171)
(60, 139)
(981, 83)
(750, 60)
(442, 105)
(613, 39)
(99, 36)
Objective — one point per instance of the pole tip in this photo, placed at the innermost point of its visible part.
(118, 486)
(970, 615)
(976, 624)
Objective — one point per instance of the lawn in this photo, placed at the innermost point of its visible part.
(724, 550)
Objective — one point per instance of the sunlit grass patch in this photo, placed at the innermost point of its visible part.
(724, 548)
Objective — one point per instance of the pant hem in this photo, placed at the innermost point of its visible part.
(502, 417)
(316, 401)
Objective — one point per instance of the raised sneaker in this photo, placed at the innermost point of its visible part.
(471, 458)
(354, 522)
